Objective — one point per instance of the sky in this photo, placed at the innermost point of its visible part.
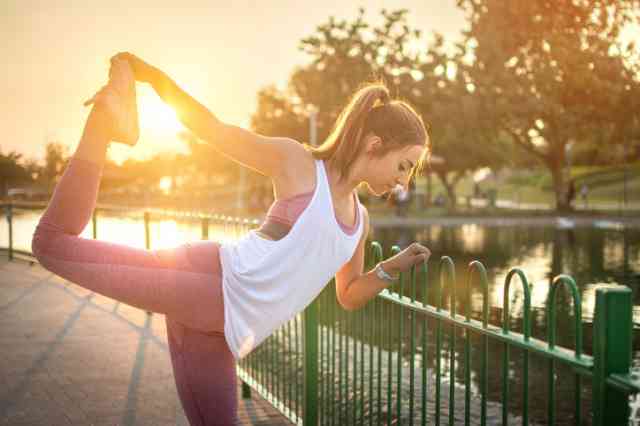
(56, 55)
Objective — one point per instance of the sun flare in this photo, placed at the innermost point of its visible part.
(156, 116)
(159, 129)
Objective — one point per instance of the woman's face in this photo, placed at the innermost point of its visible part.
(391, 169)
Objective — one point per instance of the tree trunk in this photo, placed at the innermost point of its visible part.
(451, 194)
(560, 184)
(450, 187)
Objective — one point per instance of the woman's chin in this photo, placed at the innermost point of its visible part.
(382, 191)
(379, 191)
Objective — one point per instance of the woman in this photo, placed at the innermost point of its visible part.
(222, 300)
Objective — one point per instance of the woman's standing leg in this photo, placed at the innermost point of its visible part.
(205, 375)
(203, 365)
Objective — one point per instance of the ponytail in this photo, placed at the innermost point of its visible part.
(371, 110)
(344, 141)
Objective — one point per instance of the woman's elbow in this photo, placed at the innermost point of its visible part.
(348, 306)
(37, 244)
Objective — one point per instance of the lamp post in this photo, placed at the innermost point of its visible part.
(624, 179)
(313, 124)
(240, 193)
(626, 161)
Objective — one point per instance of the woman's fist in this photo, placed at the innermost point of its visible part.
(142, 71)
(414, 254)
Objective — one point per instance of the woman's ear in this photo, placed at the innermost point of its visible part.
(373, 144)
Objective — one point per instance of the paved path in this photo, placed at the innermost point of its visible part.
(72, 357)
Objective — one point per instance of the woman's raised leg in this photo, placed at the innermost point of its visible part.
(159, 281)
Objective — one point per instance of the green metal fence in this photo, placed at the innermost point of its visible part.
(372, 366)
(407, 358)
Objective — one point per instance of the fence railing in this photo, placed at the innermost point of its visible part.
(231, 226)
(372, 365)
(406, 358)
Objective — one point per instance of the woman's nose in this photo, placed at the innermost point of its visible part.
(402, 181)
(402, 184)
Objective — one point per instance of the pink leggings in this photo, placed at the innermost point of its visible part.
(184, 283)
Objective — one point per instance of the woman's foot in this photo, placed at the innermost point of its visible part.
(119, 98)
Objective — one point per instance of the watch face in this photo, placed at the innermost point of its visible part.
(381, 274)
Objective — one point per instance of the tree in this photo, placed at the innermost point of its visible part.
(278, 115)
(12, 171)
(55, 163)
(461, 135)
(344, 54)
(216, 169)
(553, 75)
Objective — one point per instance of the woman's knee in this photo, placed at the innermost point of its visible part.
(43, 242)
(50, 245)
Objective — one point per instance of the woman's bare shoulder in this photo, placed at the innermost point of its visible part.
(298, 175)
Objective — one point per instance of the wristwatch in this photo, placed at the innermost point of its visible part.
(380, 273)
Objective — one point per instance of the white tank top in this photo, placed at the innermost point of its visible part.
(265, 283)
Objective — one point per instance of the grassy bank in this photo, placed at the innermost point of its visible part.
(605, 186)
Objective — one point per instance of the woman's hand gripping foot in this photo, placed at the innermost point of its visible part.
(118, 96)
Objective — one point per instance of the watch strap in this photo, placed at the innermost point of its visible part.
(382, 274)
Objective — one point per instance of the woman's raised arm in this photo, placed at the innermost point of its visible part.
(191, 113)
(266, 155)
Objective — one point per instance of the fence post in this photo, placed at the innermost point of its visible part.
(246, 391)
(311, 364)
(612, 354)
(10, 221)
(94, 223)
(147, 237)
(205, 228)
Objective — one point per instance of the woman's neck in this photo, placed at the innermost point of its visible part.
(341, 189)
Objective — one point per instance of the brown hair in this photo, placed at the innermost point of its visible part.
(371, 109)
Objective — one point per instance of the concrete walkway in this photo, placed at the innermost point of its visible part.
(72, 357)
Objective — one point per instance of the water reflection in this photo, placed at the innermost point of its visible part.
(122, 228)
(591, 256)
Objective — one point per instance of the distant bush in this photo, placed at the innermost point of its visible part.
(523, 179)
(603, 176)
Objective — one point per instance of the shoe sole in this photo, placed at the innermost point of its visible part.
(119, 97)
(125, 108)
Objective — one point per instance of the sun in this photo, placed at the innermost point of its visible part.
(159, 126)
(165, 184)
(155, 115)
